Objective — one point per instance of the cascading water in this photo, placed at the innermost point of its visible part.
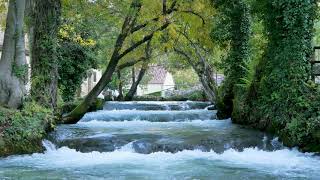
(148, 140)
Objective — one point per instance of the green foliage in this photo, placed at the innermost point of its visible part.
(22, 131)
(235, 19)
(44, 76)
(250, 72)
(280, 97)
(3, 11)
(317, 33)
(20, 71)
(197, 95)
(184, 79)
(74, 62)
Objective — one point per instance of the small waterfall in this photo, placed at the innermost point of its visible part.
(49, 146)
(127, 148)
(155, 105)
(153, 116)
(167, 107)
(210, 107)
(184, 106)
(276, 143)
(265, 141)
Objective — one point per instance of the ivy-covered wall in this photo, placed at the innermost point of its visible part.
(280, 98)
(235, 23)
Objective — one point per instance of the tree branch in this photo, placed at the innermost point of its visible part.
(194, 13)
(130, 63)
(164, 7)
(167, 12)
(145, 39)
(187, 57)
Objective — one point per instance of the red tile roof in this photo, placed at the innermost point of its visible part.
(158, 74)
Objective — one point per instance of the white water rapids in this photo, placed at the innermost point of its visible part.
(62, 161)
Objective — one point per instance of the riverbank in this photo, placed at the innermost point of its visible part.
(22, 131)
(296, 121)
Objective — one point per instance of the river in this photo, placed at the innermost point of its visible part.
(160, 140)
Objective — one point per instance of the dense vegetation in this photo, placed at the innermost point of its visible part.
(22, 131)
(235, 20)
(281, 97)
(263, 48)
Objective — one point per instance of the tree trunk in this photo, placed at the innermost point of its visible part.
(120, 86)
(207, 89)
(135, 84)
(44, 63)
(13, 69)
(204, 73)
(133, 74)
(30, 4)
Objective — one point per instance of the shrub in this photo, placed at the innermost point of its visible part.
(22, 131)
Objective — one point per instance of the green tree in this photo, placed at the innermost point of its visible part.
(74, 62)
(235, 19)
(44, 64)
(144, 20)
(280, 98)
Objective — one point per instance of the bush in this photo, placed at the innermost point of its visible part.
(22, 131)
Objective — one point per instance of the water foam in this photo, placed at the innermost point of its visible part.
(141, 124)
(163, 116)
(285, 162)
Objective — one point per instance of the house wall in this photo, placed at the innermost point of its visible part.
(148, 89)
(168, 84)
(153, 88)
(91, 81)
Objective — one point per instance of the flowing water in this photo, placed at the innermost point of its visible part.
(160, 140)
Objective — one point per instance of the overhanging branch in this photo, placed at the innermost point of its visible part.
(145, 39)
(167, 12)
(130, 63)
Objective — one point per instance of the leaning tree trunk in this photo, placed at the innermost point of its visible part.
(13, 69)
(44, 65)
(120, 86)
(210, 93)
(133, 74)
(204, 73)
(135, 84)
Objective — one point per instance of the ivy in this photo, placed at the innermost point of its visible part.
(74, 62)
(280, 98)
(20, 72)
(46, 20)
(235, 20)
